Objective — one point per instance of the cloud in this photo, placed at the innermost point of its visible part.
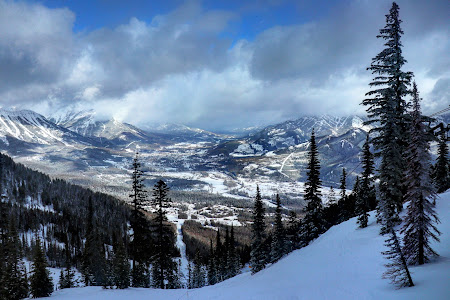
(179, 67)
(35, 49)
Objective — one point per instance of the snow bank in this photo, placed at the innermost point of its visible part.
(344, 263)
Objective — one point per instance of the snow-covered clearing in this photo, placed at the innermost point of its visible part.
(344, 263)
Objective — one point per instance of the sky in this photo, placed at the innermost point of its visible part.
(215, 65)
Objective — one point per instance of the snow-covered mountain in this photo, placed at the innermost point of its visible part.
(281, 149)
(293, 133)
(183, 133)
(86, 124)
(26, 126)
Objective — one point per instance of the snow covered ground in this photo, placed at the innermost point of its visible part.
(344, 263)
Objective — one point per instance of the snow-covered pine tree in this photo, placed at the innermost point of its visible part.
(257, 254)
(164, 267)
(397, 269)
(419, 226)
(313, 223)
(441, 170)
(41, 284)
(386, 108)
(279, 238)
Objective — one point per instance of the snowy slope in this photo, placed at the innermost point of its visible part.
(344, 263)
(31, 127)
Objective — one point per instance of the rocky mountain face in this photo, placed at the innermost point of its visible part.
(21, 130)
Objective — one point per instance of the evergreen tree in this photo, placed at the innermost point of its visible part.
(93, 261)
(343, 185)
(278, 242)
(233, 259)
(198, 279)
(41, 284)
(62, 280)
(140, 276)
(164, 267)
(292, 232)
(368, 183)
(313, 222)
(331, 198)
(121, 266)
(387, 109)
(190, 284)
(67, 278)
(212, 272)
(258, 255)
(140, 243)
(15, 281)
(362, 208)
(420, 220)
(397, 270)
(219, 259)
(441, 172)
(344, 214)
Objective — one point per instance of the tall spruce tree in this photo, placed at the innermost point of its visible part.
(397, 269)
(386, 108)
(420, 220)
(313, 223)
(278, 241)
(164, 267)
(258, 254)
(41, 284)
(140, 242)
(441, 171)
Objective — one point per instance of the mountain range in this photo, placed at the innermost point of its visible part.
(97, 153)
